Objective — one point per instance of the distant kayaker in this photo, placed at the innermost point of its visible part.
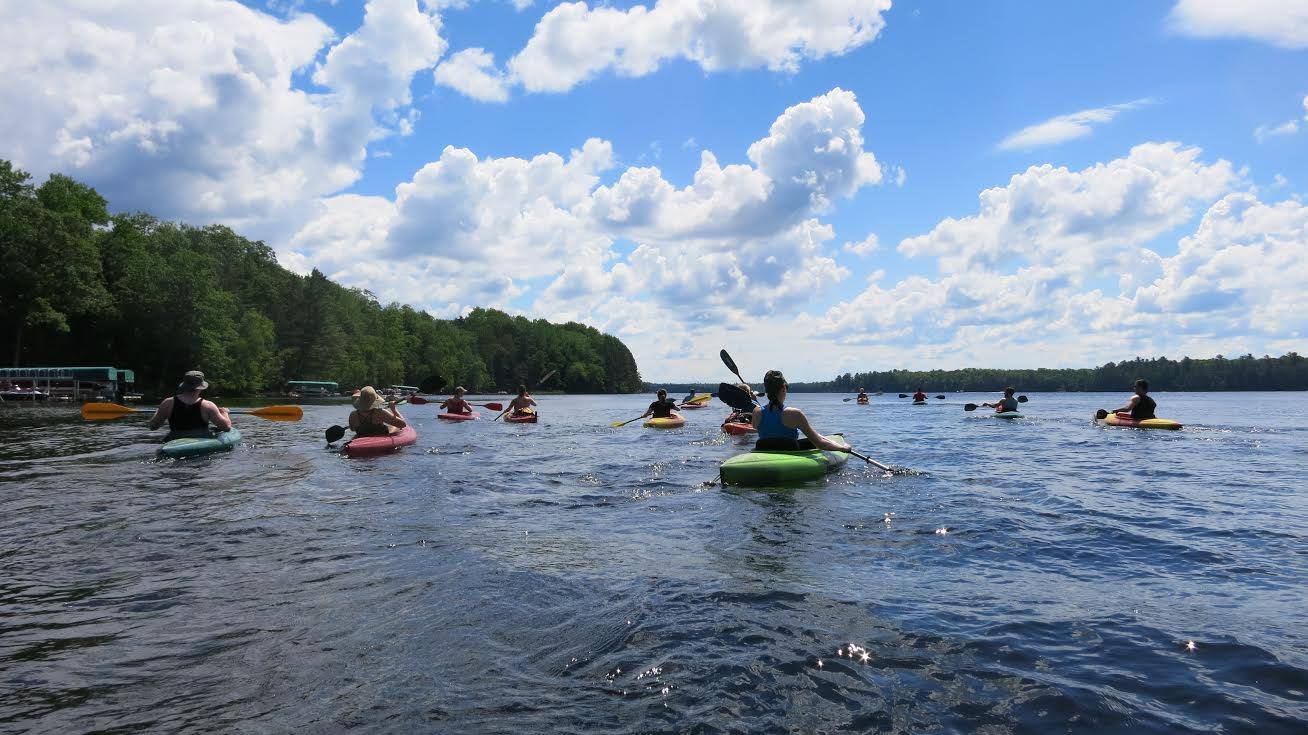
(187, 412)
(919, 395)
(862, 394)
(662, 408)
(522, 402)
(1141, 406)
(456, 404)
(1005, 404)
(373, 416)
(778, 426)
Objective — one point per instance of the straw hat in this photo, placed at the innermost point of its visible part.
(368, 399)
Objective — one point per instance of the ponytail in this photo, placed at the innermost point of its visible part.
(774, 382)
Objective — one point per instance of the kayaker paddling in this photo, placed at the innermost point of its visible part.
(779, 426)
(189, 413)
(373, 416)
(456, 404)
(862, 394)
(523, 404)
(1141, 406)
(1006, 404)
(920, 396)
(662, 408)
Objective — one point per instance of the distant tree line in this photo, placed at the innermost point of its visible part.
(1288, 372)
(81, 287)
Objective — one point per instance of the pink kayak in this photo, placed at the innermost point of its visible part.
(372, 446)
(457, 416)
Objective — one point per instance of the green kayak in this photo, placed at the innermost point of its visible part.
(780, 467)
(196, 444)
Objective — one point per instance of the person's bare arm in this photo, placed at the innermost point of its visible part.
(819, 441)
(1129, 405)
(216, 416)
(393, 418)
(161, 414)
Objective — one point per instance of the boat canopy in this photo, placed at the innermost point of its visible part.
(102, 374)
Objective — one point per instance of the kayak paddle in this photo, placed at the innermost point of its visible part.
(104, 411)
(940, 397)
(617, 424)
(736, 397)
(731, 365)
(903, 395)
(868, 459)
(973, 406)
(537, 384)
(335, 434)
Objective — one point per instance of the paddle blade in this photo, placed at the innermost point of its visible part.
(335, 434)
(1021, 399)
(903, 395)
(102, 411)
(432, 384)
(548, 375)
(495, 406)
(940, 397)
(969, 407)
(735, 397)
(279, 413)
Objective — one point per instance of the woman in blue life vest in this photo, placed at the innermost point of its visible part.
(779, 426)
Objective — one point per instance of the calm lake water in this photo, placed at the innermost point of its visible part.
(1041, 575)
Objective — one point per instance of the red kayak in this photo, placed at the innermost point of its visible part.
(372, 446)
(456, 416)
(732, 427)
(526, 417)
(692, 405)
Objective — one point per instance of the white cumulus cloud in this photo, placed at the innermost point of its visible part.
(1058, 268)
(192, 108)
(472, 72)
(738, 239)
(1077, 220)
(574, 42)
(1278, 22)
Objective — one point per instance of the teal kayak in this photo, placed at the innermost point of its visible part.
(770, 467)
(196, 444)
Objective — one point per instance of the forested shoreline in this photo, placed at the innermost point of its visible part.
(1288, 372)
(82, 287)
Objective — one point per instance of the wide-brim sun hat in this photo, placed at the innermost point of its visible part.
(193, 380)
(368, 399)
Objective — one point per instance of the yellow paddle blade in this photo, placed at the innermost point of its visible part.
(700, 398)
(101, 411)
(279, 413)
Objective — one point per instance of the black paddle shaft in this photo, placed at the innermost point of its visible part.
(731, 365)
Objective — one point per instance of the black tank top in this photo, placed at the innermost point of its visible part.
(663, 409)
(186, 418)
(1144, 408)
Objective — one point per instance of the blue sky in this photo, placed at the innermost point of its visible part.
(1141, 164)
